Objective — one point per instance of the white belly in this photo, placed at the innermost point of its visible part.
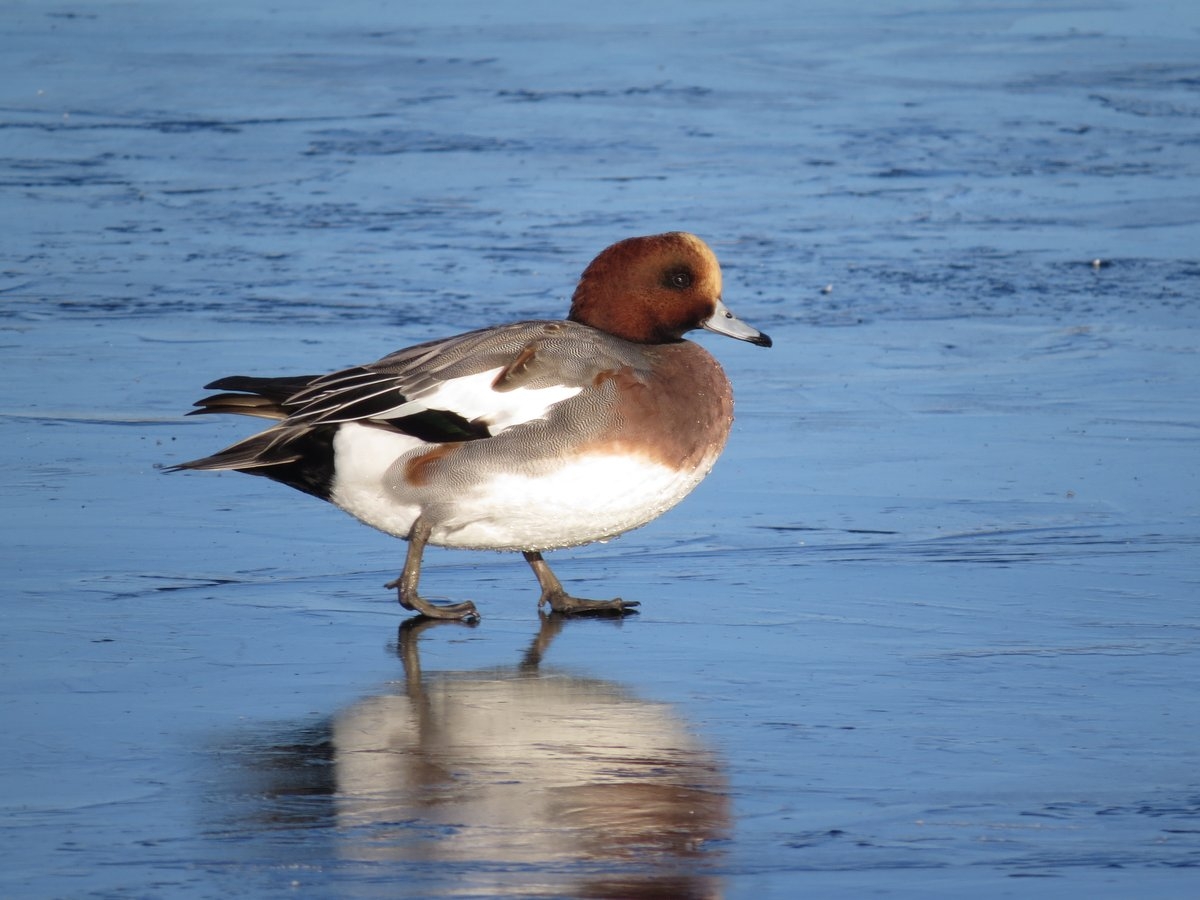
(577, 502)
(583, 501)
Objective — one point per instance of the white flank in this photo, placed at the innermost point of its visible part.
(362, 455)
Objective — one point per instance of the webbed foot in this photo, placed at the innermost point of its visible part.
(413, 601)
(406, 584)
(562, 602)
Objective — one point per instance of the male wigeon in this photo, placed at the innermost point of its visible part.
(531, 436)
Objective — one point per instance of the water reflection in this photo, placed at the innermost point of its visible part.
(513, 780)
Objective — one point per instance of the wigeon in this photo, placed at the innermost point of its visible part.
(527, 437)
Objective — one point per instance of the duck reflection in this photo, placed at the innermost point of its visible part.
(522, 780)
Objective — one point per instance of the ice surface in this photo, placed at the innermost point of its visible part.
(929, 629)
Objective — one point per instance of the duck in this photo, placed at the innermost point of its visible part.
(525, 437)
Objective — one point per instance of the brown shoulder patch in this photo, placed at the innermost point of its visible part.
(418, 471)
(517, 372)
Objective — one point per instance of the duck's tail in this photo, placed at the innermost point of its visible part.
(245, 395)
(298, 455)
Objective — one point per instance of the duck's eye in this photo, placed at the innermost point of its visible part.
(679, 279)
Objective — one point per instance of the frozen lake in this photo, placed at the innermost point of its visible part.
(930, 629)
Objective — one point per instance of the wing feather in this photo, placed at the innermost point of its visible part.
(471, 386)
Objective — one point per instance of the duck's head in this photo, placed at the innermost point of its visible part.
(654, 289)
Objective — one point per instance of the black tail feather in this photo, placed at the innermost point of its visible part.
(248, 396)
(300, 457)
(274, 389)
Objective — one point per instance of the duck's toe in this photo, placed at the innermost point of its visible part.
(411, 600)
(562, 602)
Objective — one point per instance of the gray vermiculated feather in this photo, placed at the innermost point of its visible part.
(564, 353)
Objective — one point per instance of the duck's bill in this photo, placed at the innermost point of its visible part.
(722, 321)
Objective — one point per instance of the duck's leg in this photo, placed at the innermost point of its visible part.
(406, 584)
(562, 602)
